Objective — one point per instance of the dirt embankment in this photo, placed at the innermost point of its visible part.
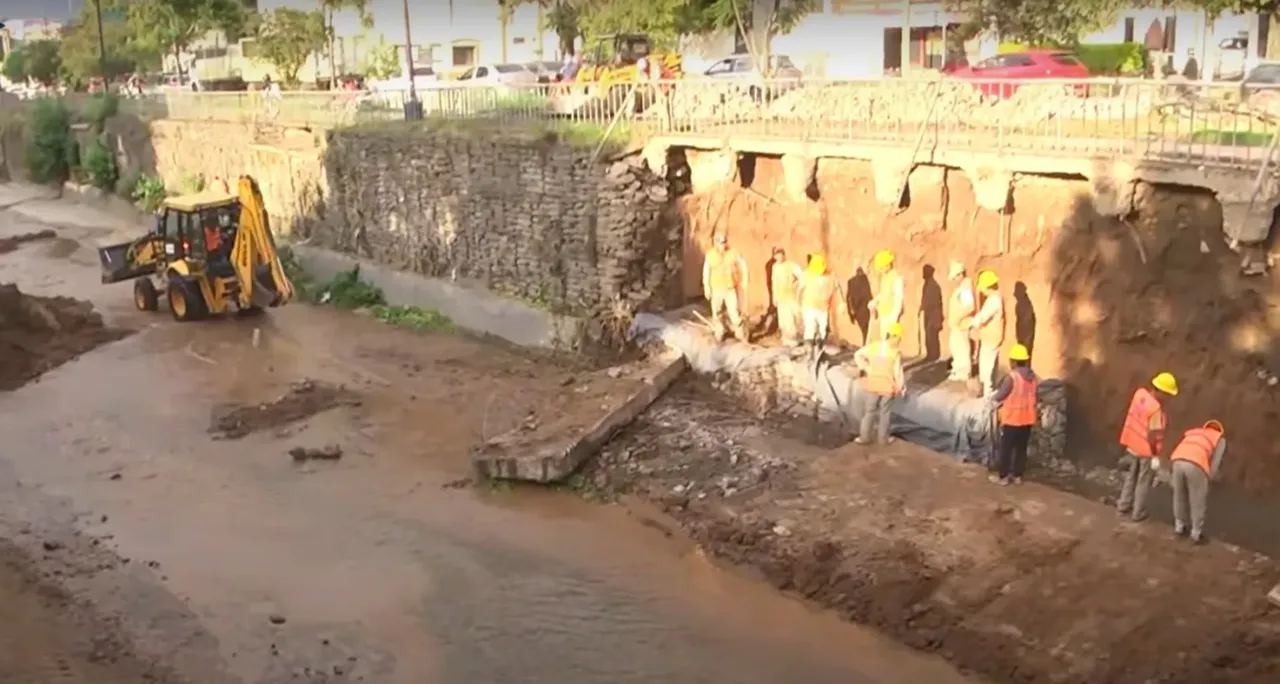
(38, 334)
(1103, 304)
(1024, 584)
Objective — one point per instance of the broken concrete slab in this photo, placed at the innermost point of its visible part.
(1274, 596)
(529, 458)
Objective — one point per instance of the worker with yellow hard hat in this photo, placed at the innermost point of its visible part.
(890, 298)
(960, 312)
(724, 284)
(1142, 437)
(1195, 461)
(785, 277)
(883, 381)
(1016, 398)
(818, 296)
(989, 323)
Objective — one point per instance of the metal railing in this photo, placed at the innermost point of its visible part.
(1175, 121)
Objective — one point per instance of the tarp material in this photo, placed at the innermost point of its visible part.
(938, 419)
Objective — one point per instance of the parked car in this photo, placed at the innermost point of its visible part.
(1003, 75)
(424, 78)
(1234, 60)
(547, 71)
(1261, 86)
(506, 75)
(743, 66)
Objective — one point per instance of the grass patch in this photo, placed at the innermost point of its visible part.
(1210, 136)
(347, 290)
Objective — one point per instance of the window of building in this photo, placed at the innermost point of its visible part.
(465, 54)
(1128, 29)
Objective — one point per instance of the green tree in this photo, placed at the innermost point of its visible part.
(1039, 22)
(79, 49)
(757, 21)
(329, 8)
(168, 27)
(381, 61)
(562, 17)
(37, 59)
(287, 37)
(15, 66)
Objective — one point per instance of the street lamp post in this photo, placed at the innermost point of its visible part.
(412, 108)
(102, 41)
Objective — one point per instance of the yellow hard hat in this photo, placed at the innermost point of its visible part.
(988, 279)
(817, 265)
(883, 260)
(895, 330)
(1165, 382)
(1215, 425)
(1019, 353)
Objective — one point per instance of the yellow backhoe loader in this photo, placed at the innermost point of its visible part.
(210, 253)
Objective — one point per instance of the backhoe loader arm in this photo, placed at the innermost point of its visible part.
(262, 278)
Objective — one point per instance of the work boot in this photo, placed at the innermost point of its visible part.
(996, 479)
(1199, 539)
(1179, 530)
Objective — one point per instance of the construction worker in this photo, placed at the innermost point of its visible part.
(990, 326)
(784, 279)
(817, 299)
(1194, 462)
(1142, 437)
(960, 313)
(886, 306)
(1017, 413)
(881, 364)
(724, 281)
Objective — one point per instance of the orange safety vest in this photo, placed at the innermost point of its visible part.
(723, 274)
(959, 313)
(212, 238)
(1197, 446)
(1136, 434)
(1019, 408)
(881, 375)
(784, 282)
(818, 292)
(992, 334)
(887, 300)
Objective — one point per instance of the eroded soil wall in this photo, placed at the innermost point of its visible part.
(1102, 303)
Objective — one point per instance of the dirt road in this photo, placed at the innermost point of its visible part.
(1022, 584)
(148, 487)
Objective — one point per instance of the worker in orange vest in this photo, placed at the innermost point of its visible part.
(1017, 413)
(1142, 437)
(785, 278)
(881, 364)
(990, 326)
(724, 282)
(886, 306)
(960, 313)
(1195, 461)
(817, 298)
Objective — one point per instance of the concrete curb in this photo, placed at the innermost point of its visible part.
(553, 464)
(469, 307)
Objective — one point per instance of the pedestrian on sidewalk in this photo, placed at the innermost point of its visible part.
(1194, 462)
(881, 364)
(960, 313)
(1142, 437)
(1017, 399)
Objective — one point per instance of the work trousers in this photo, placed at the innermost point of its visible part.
(815, 325)
(1014, 440)
(1190, 497)
(726, 301)
(882, 326)
(988, 355)
(876, 418)
(788, 321)
(961, 354)
(1138, 477)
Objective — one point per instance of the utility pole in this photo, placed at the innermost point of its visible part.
(102, 42)
(412, 108)
(906, 38)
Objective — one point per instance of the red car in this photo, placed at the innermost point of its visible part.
(1002, 75)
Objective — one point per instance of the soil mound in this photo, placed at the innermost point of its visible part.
(303, 400)
(38, 334)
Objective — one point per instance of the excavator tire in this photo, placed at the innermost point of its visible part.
(145, 296)
(185, 301)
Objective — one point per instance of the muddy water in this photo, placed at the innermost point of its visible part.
(245, 567)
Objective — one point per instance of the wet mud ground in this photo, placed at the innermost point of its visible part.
(1023, 584)
(157, 527)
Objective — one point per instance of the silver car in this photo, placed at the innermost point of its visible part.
(743, 67)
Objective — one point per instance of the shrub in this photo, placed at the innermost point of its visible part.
(100, 165)
(52, 151)
(100, 108)
(149, 192)
(1114, 59)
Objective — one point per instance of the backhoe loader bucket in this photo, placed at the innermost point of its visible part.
(120, 262)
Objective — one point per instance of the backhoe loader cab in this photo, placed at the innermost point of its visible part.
(209, 253)
(621, 49)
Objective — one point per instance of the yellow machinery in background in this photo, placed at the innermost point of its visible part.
(210, 253)
(611, 61)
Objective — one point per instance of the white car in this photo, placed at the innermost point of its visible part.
(424, 78)
(502, 75)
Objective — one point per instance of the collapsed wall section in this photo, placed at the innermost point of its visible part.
(540, 219)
